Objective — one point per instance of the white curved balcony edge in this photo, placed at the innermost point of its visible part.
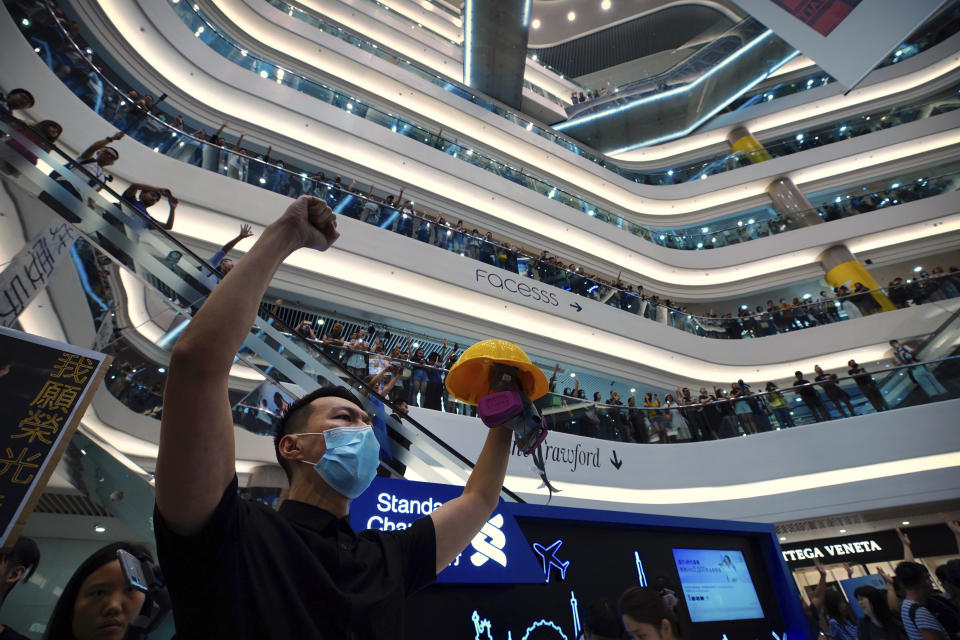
(763, 262)
(194, 69)
(865, 462)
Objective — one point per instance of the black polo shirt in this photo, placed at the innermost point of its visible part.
(299, 572)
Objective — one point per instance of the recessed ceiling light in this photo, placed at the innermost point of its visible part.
(905, 522)
(536, 23)
(100, 528)
(605, 5)
(783, 538)
(843, 530)
(571, 16)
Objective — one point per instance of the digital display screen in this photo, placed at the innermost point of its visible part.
(717, 585)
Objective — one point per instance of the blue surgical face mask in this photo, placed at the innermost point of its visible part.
(351, 461)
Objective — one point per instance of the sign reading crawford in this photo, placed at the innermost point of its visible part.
(45, 386)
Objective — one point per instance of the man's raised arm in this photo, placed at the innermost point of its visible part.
(459, 520)
(196, 461)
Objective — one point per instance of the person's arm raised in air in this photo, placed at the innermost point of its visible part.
(196, 461)
(954, 527)
(907, 549)
(245, 232)
(821, 591)
(168, 225)
(459, 520)
(100, 144)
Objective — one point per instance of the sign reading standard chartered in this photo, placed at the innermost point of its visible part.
(498, 554)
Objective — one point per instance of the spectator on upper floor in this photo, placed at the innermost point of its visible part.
(808, 393)
(16, 100)
(96, 158)
(143, 196)
(919, 373)
(779, 406)
(868, 386)
(839, 397)
(219, 260)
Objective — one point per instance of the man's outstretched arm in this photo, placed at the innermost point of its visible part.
(196, 461)
(457, 521)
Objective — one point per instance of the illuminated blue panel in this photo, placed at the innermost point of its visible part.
(498, 554)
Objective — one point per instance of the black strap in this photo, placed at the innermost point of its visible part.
(538, 462)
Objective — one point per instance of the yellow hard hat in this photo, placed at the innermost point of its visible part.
(469, 378)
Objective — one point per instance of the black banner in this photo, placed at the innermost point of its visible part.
(45, 386)
(876, 546)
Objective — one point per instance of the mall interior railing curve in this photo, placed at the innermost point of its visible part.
(105, 97)
(153, 130)
(853, 126)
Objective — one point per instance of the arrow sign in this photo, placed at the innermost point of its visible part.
(615, 461)
(576, 306)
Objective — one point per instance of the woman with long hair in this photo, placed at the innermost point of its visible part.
(839, 617)
(97, 603)
(877, 622)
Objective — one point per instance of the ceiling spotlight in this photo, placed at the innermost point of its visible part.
(571, 16)
(100, 528)
(905, 522)
(783, 538)
(536, 23)
(605, 5)
(843, 530)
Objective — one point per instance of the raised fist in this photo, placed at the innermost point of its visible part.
(313, 221)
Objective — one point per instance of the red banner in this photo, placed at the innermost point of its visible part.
(822, 15)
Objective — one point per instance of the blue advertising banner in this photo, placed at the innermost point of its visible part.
(498, 554)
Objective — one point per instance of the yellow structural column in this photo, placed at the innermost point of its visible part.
(742, 141)
(843, 269)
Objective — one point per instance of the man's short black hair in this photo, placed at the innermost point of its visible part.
(24, 92)
(912, 575)
(293, 418)
(25, 553)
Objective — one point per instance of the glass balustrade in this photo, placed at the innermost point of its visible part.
(106, 98)
(210, 34)
(173, 282)
(136, 381)
(378, 51)
(153, 130)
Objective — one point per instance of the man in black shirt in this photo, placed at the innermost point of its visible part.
(868, 386)
(241, 570)
(808, 393)
(838, 396)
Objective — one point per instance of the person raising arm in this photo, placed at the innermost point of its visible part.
(242, 570)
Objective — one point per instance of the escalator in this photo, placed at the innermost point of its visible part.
(175, 282)
(674, 103)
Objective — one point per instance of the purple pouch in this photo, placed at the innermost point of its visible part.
(498, 408)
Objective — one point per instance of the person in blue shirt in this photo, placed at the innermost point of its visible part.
(839, 618)
(219, 260)
(143, 196)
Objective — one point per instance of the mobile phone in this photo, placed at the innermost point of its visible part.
(132, 571)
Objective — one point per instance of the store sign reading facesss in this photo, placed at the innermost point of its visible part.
(498, 554)
(516, 286)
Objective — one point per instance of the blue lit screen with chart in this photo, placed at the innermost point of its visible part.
(717, 585)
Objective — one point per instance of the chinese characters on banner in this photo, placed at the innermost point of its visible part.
(28, 273)
(45, 386)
